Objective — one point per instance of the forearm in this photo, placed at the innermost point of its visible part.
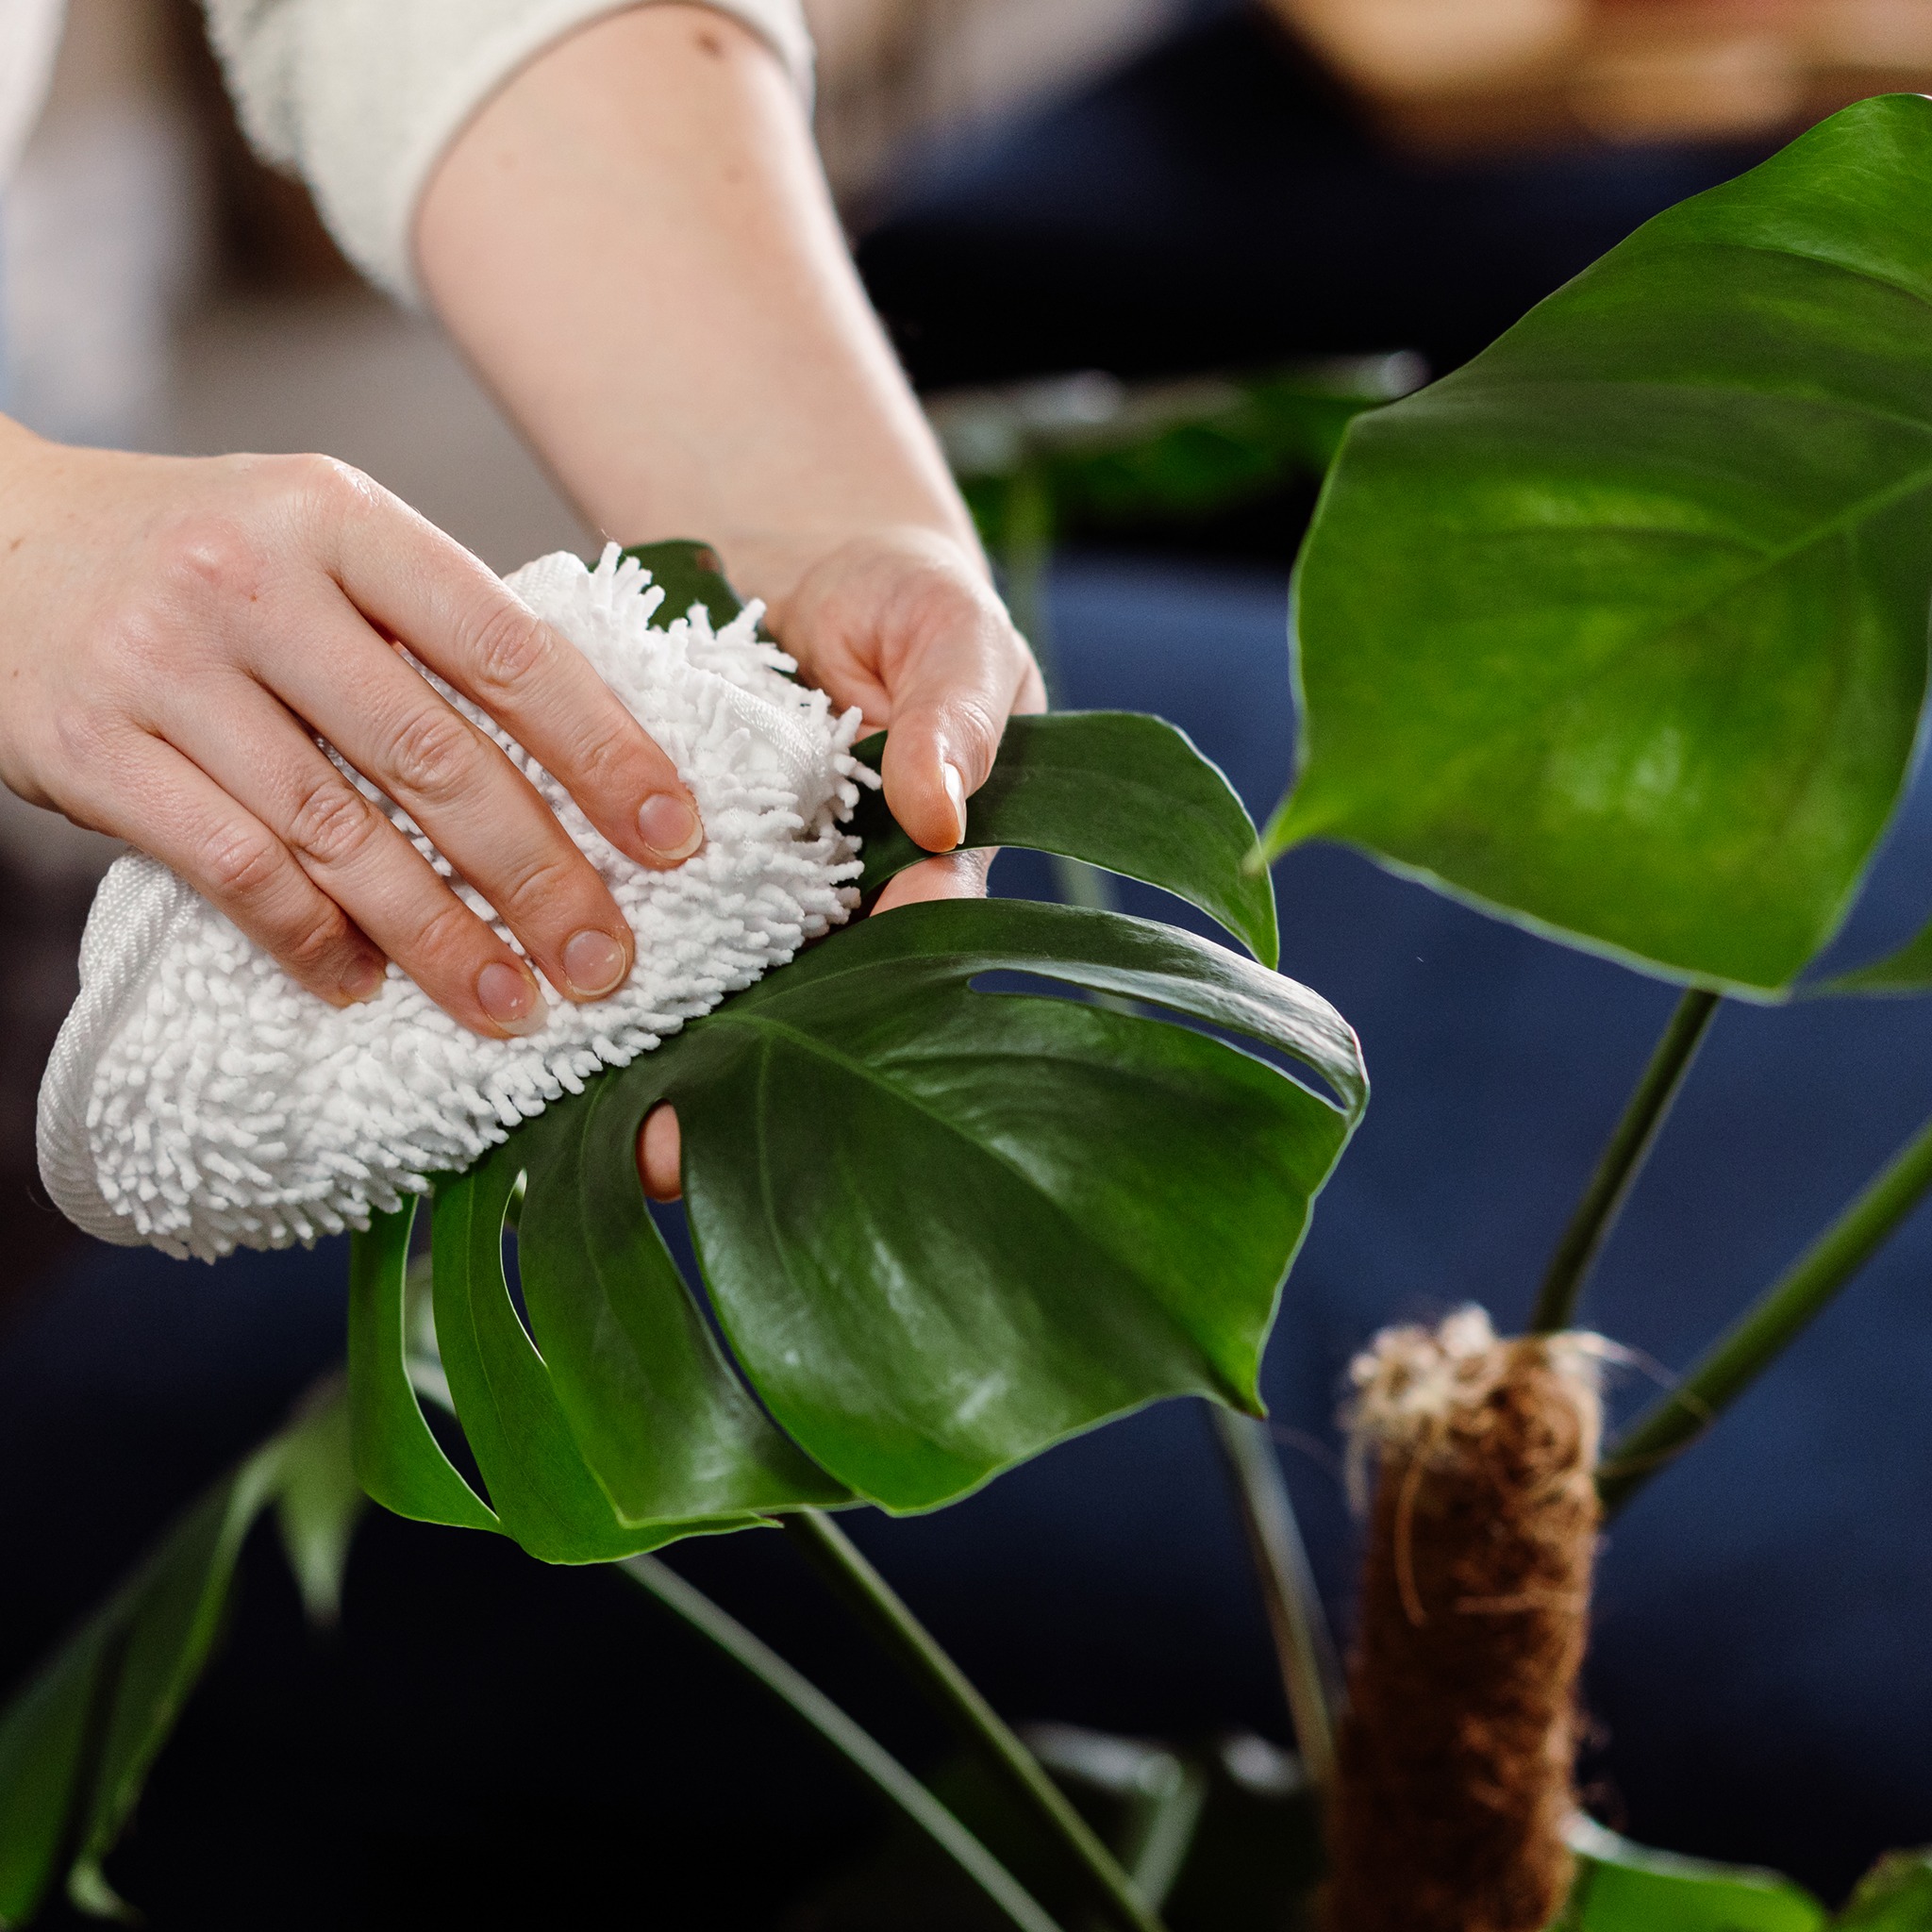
(634, 244)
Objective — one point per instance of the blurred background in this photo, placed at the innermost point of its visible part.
(1145, 258)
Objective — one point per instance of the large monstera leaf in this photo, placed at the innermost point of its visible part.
(940, 1229)
(940, 1226)
(1621, 629)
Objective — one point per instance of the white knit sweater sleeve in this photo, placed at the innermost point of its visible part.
(362, 96)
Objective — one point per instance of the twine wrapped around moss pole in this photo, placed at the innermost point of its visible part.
(1455, 1760)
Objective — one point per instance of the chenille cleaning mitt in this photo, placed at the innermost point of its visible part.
(199, 1100)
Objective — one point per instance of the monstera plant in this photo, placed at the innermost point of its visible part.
(1618, 632)
(940, 1228)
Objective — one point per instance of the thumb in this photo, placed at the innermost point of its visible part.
(949, 712)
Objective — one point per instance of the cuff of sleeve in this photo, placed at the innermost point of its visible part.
(368, 140)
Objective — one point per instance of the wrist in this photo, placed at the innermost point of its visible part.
(776, 566)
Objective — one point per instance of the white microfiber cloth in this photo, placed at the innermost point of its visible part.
(199, 1100)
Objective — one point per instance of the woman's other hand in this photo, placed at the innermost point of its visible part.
(177, 633)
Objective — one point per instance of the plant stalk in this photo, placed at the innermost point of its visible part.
(1759, 1336)
(858, 1745)
(832, 1553)
(1304, 1649)
(1622, 1160)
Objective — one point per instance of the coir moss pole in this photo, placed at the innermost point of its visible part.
(1454, 1759)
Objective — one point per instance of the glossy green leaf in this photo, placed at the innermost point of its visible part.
(1621, 629)
(978, 1283)
(940, 1229)
(1622, 1886)
(1894, 1897)
(78, 1740)
(1119, 790)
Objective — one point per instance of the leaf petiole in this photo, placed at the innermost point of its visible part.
(832, 1553)
(1763, 1332)
(1623, 1160)
(855, 1744)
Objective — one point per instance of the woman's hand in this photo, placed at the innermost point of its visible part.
(904, 623)
(175, 634)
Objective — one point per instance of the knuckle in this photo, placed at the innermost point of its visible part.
(434, 755)
(616, 762)
(542, 886)
(509, 647)
(326, 483)
(205, 556)
(447, 932)
(81, 740)
(314, 941)
(976, 727)
(242, 862)
(332, 821)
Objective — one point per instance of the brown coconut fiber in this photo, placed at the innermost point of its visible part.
(1455, 1760)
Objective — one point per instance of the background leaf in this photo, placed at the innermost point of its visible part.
(77, 1742)
(1894, 1897)
(1118, 790)
(1622, 627)
(1622, 1886)
(1898, 975)
(320, 1501)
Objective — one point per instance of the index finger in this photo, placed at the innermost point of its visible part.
(463, 621)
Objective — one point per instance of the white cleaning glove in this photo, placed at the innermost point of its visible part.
(199, 1100)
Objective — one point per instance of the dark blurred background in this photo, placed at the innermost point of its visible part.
(1149, 190)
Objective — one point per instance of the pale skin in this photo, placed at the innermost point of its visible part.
(633, 244)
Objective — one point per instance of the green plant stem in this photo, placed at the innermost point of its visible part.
(838, 1729)
(1623, 1160)
(832, 1553)
(1755, 1340)
(1303, 1646)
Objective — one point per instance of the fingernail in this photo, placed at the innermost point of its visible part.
(593, 963)
(511, 999)
(956, 791)
(670, 826)
(363, 980)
